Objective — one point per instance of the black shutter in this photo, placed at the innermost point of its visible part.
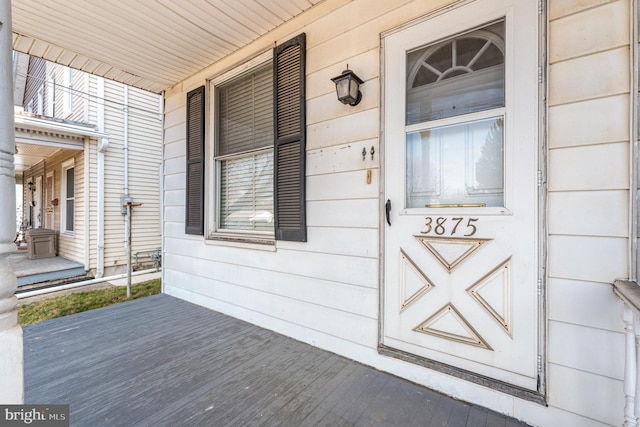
(290, 140)
(194, 204)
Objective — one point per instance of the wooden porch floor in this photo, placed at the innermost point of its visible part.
(162, 361)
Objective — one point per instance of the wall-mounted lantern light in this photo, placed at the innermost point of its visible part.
(348, 87)
(31, 186)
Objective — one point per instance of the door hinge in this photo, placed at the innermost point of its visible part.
(540, 287)
(539, 178)
(540, 74)
(539, 364)
(540, 7)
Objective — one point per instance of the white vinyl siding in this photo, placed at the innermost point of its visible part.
(588, 204)
(145, 155)
(326, 291)
(144, 132)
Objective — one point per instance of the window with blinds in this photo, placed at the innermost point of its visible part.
(244, 151)
(68, 196)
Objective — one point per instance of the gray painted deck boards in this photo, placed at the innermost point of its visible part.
(164, 362)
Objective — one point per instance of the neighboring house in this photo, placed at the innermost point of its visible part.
(460, 227)
(82, 142)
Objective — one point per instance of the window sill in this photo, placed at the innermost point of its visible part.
(242, 241)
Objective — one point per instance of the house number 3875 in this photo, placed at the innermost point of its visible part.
(441, 226)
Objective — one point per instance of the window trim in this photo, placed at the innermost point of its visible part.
(69, 164)
(51, 96)
(67, 95)
(289, 125)
(212, 169)
(40, 100)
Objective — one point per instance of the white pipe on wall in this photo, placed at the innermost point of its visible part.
(102, 147)
(86, 184)
(127, 226)
(125, 138)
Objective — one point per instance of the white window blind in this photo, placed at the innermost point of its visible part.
(245, 151)
(246, 193)
(246, 112)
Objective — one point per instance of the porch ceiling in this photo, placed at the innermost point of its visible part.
(28, 155)
(150, 44)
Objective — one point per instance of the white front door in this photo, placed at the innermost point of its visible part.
(461, 166)
(37, 203)
(49, 195)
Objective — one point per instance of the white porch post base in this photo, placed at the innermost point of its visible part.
(11, 366)
(11, 347)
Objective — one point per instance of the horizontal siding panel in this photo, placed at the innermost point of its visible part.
(345, 185)
(175, 101)
(175, 134)
(349, 270)
(343, 213)
(604, 402)
(568, 81)
(175, 214)
(174, 182)
(175, 149)
(589, 213)
(361, 330)
(342, 158)
(174, 198)
(596, 167)
(568, 345)
(581, 258)
(350, 299)
(591, 31)
(174, 230)
(586, 299)
(590, 122)
(174, 165)
(342, 130)
(558, 9)
(176, 117)
(360, 242)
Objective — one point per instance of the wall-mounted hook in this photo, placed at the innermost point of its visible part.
(364, 153)
(373, 151)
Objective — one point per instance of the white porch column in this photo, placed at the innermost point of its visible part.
(630, 367)
(11, 349)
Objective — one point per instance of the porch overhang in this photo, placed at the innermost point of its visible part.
(149, 45)
(37, 138)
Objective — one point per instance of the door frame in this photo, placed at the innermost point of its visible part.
(539, 396)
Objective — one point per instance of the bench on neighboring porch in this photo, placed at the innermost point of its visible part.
(154, 256)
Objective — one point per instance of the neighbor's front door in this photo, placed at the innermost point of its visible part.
(461, 166)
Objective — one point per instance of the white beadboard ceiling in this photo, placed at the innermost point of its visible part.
(150, 44)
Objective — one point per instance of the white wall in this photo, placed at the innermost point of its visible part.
(325, 292)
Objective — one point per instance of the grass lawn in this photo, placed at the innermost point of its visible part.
(77, 302)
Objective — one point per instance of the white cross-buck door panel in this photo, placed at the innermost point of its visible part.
(461, 148)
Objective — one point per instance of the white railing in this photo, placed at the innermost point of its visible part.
(629, 293)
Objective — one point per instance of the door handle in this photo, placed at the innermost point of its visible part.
(387, 208)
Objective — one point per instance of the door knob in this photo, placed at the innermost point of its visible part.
(387, 208)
